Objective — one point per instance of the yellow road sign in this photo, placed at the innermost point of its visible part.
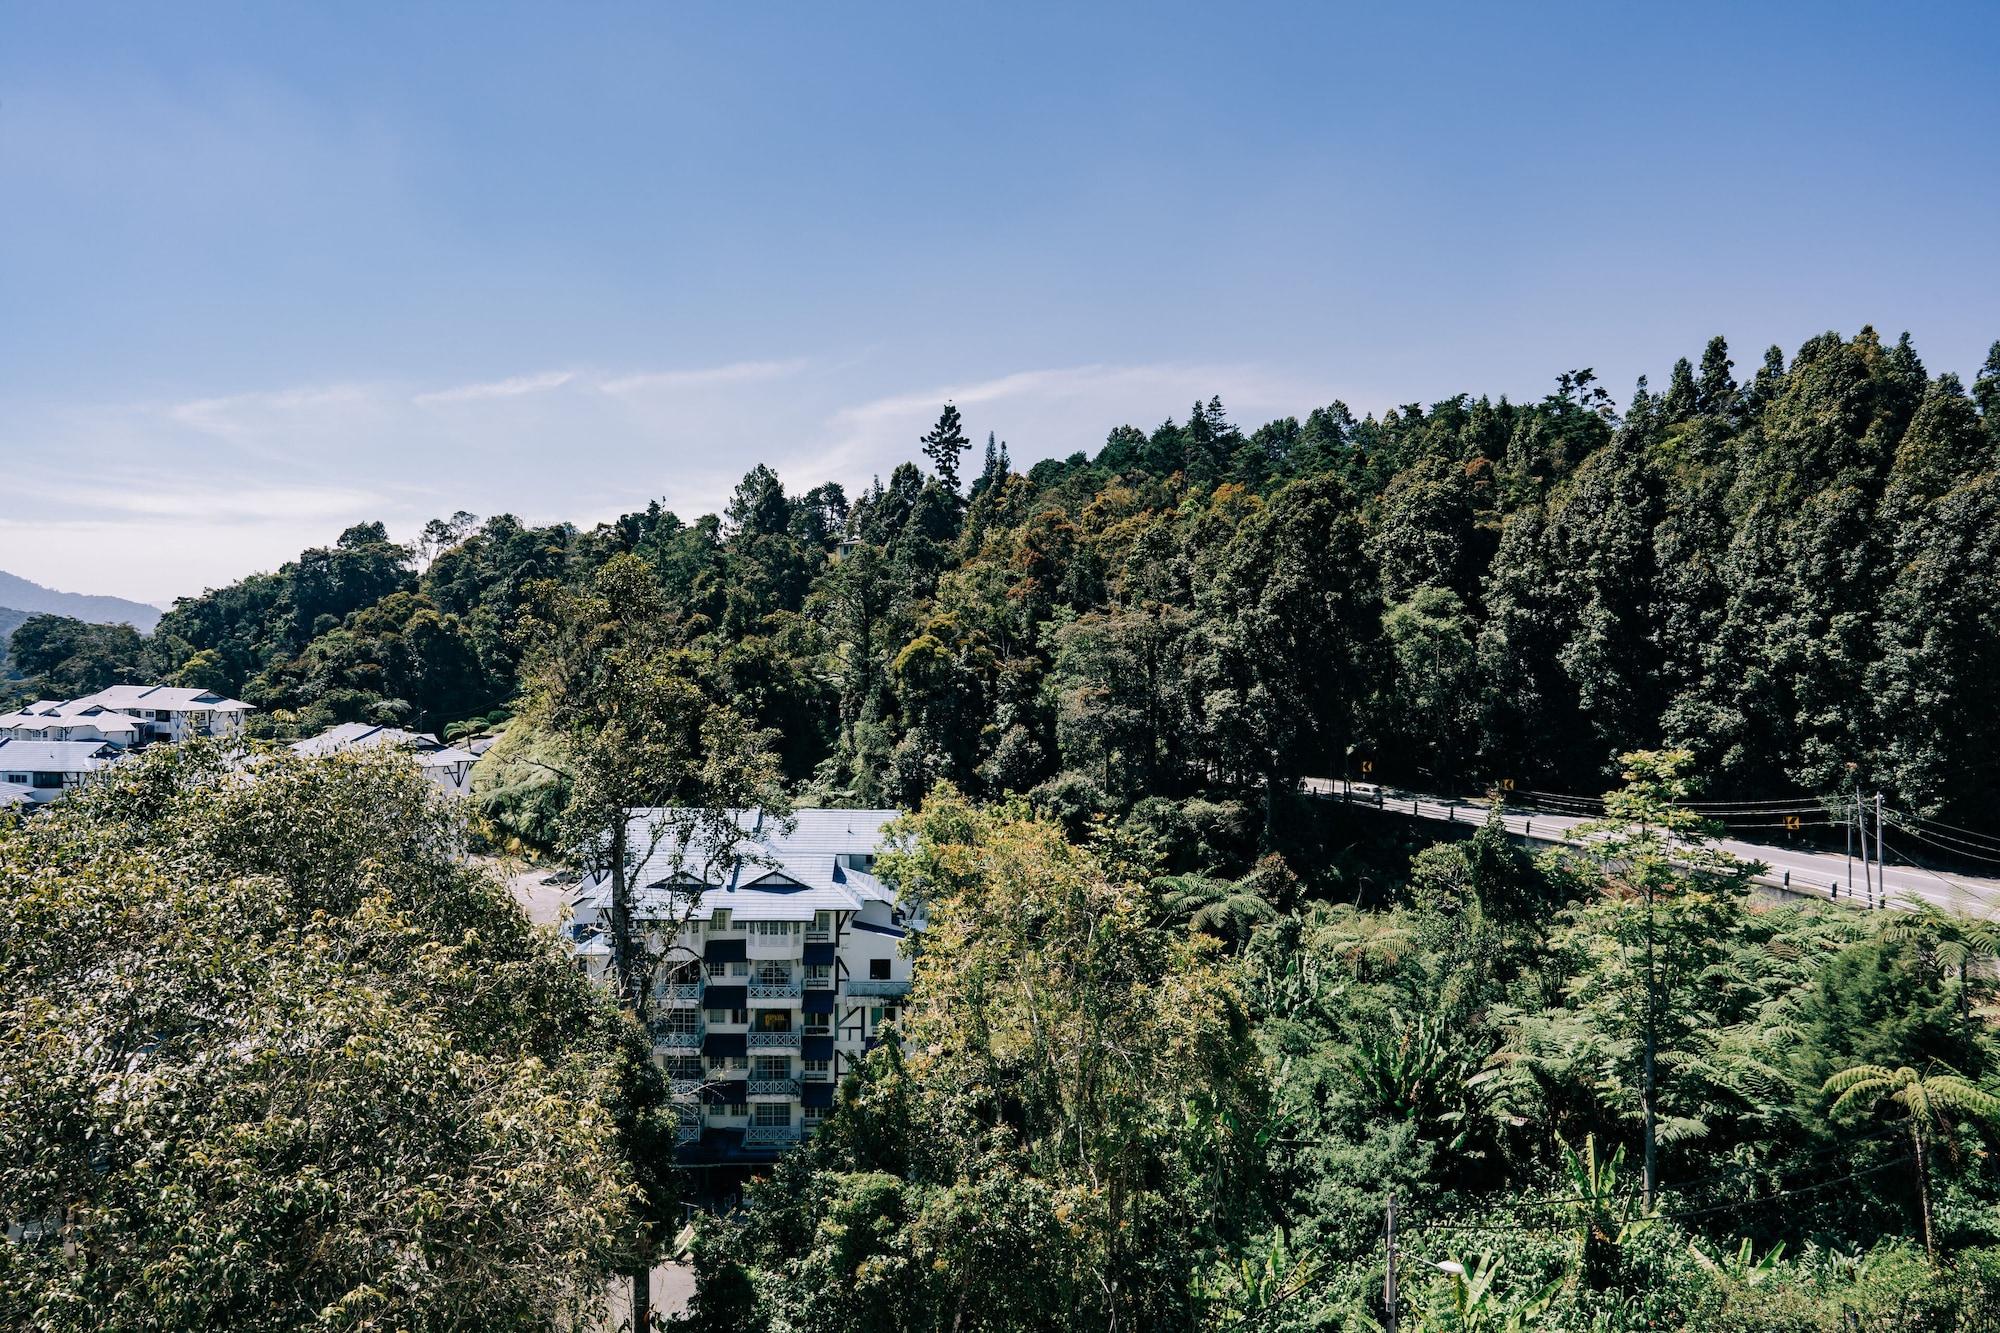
(1367, 766)
(1506, 784)
(1793, 823)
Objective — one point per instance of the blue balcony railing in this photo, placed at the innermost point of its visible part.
(864, 987)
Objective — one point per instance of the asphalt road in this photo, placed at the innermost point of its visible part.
(1799, 872)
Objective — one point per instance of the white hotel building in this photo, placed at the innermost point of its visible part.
(777, 981)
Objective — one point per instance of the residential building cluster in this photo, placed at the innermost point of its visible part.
(770, 977)
(53, 746)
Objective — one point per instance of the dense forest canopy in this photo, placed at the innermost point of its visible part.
(1791, 569)
(1175, 1034)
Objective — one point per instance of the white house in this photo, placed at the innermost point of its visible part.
(128, 716)
(172, 713)
(44, 770)
(60, 720)
(773, 976)
(448, 766)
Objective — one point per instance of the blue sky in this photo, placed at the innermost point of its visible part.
(267, 270)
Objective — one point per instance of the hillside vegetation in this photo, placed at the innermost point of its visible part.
(1786, 571)
(1177, 1035)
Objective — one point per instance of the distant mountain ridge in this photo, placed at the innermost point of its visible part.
(18, 594)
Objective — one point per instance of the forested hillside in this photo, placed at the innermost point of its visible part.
(1177, 1035)
(1788, 570)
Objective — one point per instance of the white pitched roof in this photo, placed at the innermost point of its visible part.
(12, 793)
(171, 697)
(367, 736)
(54, 756)
(782, 873)
(102, 719)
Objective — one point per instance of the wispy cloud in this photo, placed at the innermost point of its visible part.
(514, 387)
(740, 372)
(153, 499)
(233, 415)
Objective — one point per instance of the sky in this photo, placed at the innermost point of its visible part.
(269, 270)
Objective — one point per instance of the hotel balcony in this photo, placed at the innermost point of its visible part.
(771, 1136)
(688, 1132)
(861, 987)
(668, 1039)
(787, 947)
(680, 993)
(774, 1041)
(774, 1087)
(787, 989)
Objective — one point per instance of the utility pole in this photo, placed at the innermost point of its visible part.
(1850, 843)
(1861, 830)
(1389, 1274)
(1881, 882)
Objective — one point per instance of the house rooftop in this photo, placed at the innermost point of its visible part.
(365, 736)
(53, 756)
(174, 698)
(782, 870)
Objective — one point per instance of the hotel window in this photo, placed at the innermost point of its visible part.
(815, 1114)
(736, 1108)
(819, 1067)
(823, 922)
(718, 1015)
(771, 1066)
(716, 971)
(819, 1024)
(720, 920)
(774, 1020)
(819, 971)
(739, 969)
(771, 1114)
(878, 969)
(677, 1020)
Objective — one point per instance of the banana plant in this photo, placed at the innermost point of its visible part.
(1742, 1267)
(1471, 1302)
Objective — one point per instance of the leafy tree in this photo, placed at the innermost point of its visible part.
(278, 1057)
(65, 657)
(1065, 1113)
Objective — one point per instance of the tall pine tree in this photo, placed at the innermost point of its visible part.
(943, 445)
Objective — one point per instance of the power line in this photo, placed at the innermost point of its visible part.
(1668, 1213)
(1904, 828)
(1924, 819)
(1938, 840)
(1953, 885)
(1740, 1169)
